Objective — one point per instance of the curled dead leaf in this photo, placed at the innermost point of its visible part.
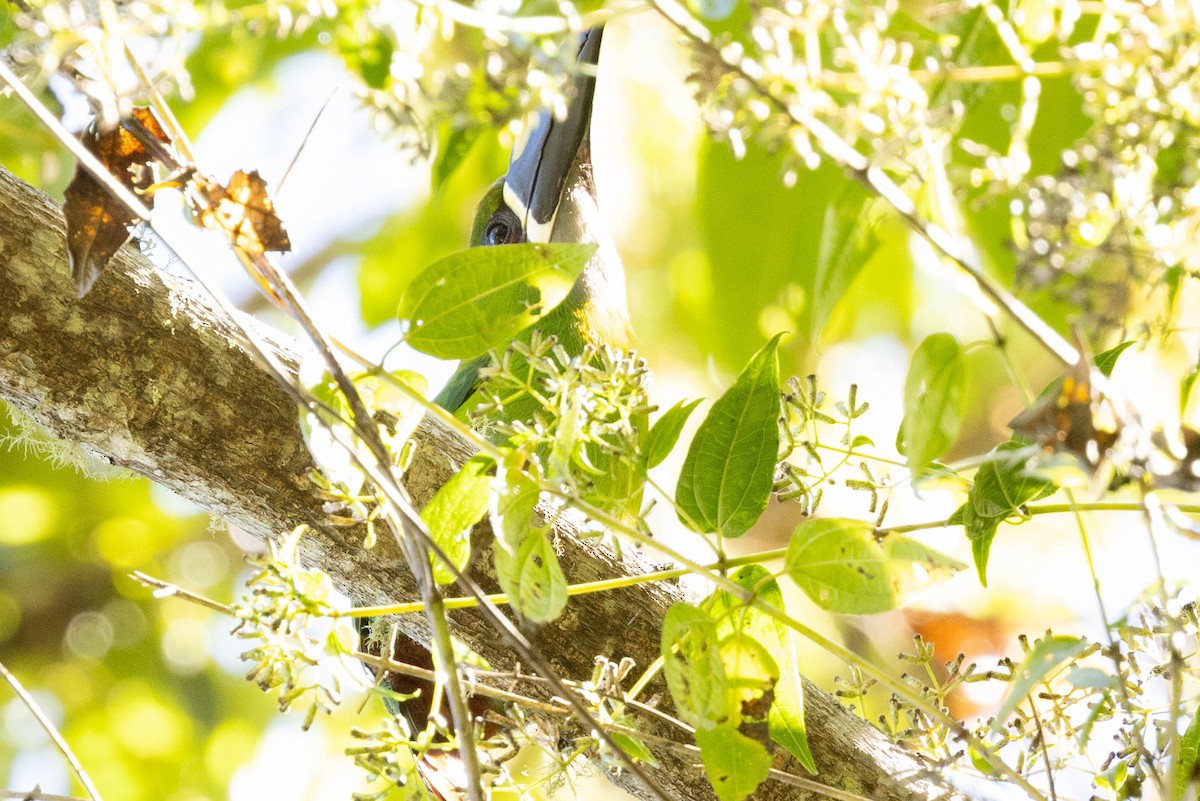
(98, 223)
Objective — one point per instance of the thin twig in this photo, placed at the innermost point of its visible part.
(52, 731)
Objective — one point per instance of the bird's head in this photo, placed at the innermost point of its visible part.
(548, 196)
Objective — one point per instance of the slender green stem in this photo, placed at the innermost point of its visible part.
(1034, 510)
(583, 588)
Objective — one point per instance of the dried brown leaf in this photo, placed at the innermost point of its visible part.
(97, 223)
(243, 211)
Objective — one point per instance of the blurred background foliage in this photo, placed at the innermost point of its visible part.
(726, 242)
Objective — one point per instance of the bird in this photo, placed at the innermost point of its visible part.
(548, 195)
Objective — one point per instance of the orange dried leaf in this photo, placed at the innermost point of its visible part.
(243, 211)
(97, 223)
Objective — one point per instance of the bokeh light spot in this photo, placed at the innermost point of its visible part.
(199, 565)
(89, 635)
(125, 542)
(144, 725)
(27, 515)
(186, 646)
(230, 745)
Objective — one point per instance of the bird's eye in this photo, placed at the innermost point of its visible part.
(503, 229)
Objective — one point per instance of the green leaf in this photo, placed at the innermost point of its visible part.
(632, 746)
(403, 412)
(934, 395)
(729, 470)
(1187, 771)
(692, 666)
(455, 509)
(526, 565)
(1001, 487)
(840, 566)
(514, 497)
(735, 764)
(844, 568)
(1106, 361)
(847, 241)
(367, 51)
(914, 565)
(666, 430)
(747, 216)
(1050, 652)
(481, 298)
(453, 146)
(533, 578)
(786, 716)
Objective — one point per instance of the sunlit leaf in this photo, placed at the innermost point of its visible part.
(786, 714)
(633, 747)
(324, 441)
(1050, 652)
(514, 497)
(397, 412)
(692, 666)
(729, 469)
(749, 217)
(477, 299)
(1187, 770)
(367, 50)
(454, 510)
(845, 568)
(666, 430)
(934, 396)
(839, 564)
(786, 718)
(735, 764)
(243, 211)
(914, 565)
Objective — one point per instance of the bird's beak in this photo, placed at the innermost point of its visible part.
(540, 164)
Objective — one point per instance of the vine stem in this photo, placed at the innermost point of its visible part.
(34, 709)
(1051, 509)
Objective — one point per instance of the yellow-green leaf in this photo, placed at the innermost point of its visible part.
(455, 509)
(844, 568)
(666, 430)
(1187, 770)
(934, 397)
(533, 578)
(1049, 652)
(481, 298)
(735, 764)
(692, 666)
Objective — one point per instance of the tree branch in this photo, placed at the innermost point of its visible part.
(145, 373)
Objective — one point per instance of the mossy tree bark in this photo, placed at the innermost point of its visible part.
(146, 374)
